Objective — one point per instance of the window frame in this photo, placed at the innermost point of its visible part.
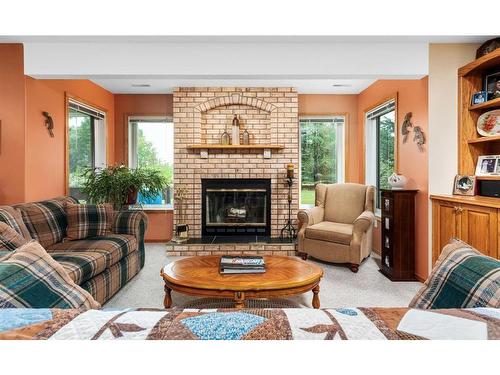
(341, 151)
(131, 137)
(391, 98)
(83, 103)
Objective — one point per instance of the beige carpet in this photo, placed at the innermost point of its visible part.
(339, 286)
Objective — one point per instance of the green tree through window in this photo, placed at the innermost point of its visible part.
(319, 155)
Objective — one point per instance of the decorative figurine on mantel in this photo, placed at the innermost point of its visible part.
(224, 138)
(289, 230)
(235, 131)
(245, 138)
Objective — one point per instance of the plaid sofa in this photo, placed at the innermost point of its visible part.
(101, 265)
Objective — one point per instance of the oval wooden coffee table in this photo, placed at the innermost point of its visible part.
(199, 276)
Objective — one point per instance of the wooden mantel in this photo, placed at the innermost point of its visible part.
(204, 147)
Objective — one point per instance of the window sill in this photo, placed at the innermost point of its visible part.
(154, 207)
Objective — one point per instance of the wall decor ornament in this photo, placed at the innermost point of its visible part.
(235, 131)
(405, 127)
(419, 137)
(49, 123)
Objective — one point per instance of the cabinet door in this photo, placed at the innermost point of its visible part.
(479, 228)
(446, 223)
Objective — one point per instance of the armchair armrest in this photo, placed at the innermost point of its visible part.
(363, 222)
(310, 216)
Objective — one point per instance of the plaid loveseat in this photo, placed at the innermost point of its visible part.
(100, 265)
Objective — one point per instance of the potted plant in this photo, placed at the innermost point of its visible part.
(120, 185)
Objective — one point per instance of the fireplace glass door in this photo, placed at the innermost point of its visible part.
(235, 207)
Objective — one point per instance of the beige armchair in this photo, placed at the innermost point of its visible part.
(338, 228)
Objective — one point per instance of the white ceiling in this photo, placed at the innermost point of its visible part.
(312, 64)
(166, 86)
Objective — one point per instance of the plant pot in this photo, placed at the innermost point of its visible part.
(132, 196)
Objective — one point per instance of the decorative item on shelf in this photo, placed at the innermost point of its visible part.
(419, 138)
(479, 97)
(224, 138)
(464, 185)
(492, 85)
(49, 123)
(397, 181)
(488, 124)
(235, 131)
(405, 127)
(181, 233)
(487, 47)
(488, 165)
(289, 230)
(245, 138)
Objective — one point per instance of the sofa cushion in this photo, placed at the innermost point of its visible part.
(114, 247)
(29, 277)
(344, 202)
(88, 220)
(9, 239)
(13, 217)
(81, 265)
(461, 278)
(330, 232)
(46, 220)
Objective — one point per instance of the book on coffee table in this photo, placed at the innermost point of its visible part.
(242, 264)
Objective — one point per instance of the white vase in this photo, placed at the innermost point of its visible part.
(397, 181)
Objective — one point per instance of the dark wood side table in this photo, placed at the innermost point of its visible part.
(398, 234)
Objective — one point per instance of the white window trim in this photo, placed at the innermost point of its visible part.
(341, 150)
(132, 155)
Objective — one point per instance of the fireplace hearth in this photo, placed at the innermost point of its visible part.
(236, 207)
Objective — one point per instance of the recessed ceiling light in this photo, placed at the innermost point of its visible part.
(341, 85)
(140, 85)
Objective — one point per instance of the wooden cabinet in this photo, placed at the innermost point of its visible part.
(475, 220)
(398, 234)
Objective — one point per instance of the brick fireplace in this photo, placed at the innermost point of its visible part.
(201, 115)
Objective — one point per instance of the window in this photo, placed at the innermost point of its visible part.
(380, 130)
(151, 145)
(322, 154)
(87, 143)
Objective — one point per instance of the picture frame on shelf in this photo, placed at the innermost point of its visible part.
(488, 165)
(492, 85)
(479, 97)
(464, 185)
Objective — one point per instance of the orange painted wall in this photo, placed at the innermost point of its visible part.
(325, 104)
(12, 117)
(45, 156)
(412, 97)
(160, 226)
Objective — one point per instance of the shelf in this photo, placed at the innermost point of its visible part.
(476, 200)
(490, 60)
(489, 178)
(494, 103)
(208, 146)
(494, 138)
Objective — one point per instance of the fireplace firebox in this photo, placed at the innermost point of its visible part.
(236, 206)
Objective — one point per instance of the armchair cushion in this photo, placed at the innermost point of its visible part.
(330, 232)
(344, 202)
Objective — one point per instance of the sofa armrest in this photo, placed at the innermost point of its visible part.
(363, 222)
(310, 216)
(130, 222)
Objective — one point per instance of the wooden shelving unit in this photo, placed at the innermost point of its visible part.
(473, 219)
(471, 144)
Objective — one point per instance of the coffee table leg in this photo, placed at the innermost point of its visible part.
(239, 300)
(315, 301)
(167, 301)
